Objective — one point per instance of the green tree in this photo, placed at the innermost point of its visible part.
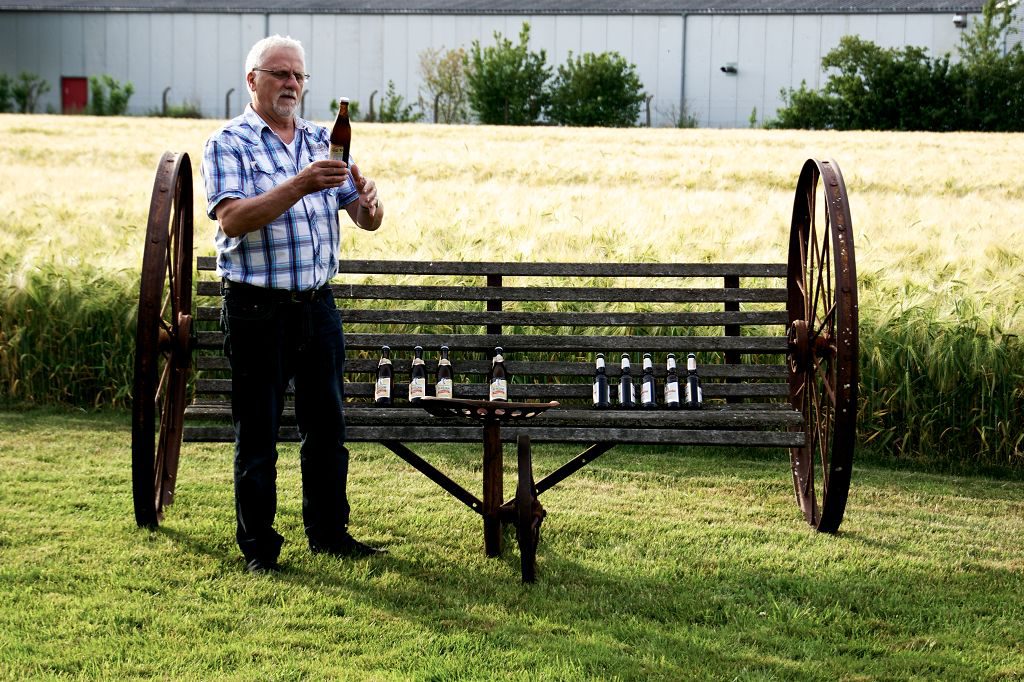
(982, 43)
(506, 81)
(107, 97)
(992, 82)
(596, 90)
(27, 90)
(444, 80)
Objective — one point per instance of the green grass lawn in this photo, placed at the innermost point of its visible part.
(668, 564)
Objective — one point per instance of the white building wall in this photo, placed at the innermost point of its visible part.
(678, 58)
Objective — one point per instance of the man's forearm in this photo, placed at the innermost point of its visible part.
(370, 222)
(241, 216)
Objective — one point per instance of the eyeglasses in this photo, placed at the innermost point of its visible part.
(285, 75)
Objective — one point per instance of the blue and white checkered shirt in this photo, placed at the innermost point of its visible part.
(298, 250)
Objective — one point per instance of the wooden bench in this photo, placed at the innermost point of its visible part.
(775, 342)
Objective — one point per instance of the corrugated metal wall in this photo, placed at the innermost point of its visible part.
(199, 57)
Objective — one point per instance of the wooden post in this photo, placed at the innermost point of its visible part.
(494, 304)
(492, 488)
(732, 357)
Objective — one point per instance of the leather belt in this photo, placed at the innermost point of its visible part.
(276, 295)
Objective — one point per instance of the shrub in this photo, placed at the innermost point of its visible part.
(890, 89)
(353, 109)
(393, 108)
(506, 81)
(5, 93)
(107, 97)
(26, 91)
(596, 90)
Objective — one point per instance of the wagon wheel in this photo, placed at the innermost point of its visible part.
(823, 343)
(528, 513)
(163, 340)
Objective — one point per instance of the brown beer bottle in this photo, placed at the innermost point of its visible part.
(648, 394)
(497, 378)
(417, 376)
(341, 133)
(444, 388)
(385, 379)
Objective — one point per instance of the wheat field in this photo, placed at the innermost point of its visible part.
(937, 224)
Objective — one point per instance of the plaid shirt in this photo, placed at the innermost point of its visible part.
(299, 249)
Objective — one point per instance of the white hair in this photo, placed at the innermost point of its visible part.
(262, 47)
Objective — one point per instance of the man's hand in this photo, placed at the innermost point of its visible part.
(367, 189)
(321, 175)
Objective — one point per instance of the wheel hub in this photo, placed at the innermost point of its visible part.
(805, 348)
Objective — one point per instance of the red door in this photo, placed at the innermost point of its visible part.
(74, 94)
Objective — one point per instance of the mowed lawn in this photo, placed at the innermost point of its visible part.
(654, 564)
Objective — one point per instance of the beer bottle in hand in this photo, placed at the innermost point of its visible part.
(648, 397)
(385, 378)
(417, 376)
(444, 387)
(341, 133)
(626, 384)
(671, 384)
(602, 399)
(497, 378)
(694, 395)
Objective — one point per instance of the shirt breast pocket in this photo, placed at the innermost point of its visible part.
(265, 173)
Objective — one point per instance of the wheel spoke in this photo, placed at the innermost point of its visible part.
(820, 439)
(172, 280)
(827, 320)
(164, 375)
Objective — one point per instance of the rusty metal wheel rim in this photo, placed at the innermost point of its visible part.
(163, 341)
(823, 343)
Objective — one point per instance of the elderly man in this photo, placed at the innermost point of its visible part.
(276, 198)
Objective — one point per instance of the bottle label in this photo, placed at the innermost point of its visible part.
(417, 388)
(597, 392)
(689, 394)
(382, 390)
(672, 392)
(337, 152)
(499, 390)
(646, 394)
(444, 388)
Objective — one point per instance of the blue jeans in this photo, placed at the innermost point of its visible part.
(270, 342)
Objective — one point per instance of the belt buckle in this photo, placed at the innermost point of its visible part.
(302, 296)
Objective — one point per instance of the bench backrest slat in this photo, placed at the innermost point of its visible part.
(551, 319)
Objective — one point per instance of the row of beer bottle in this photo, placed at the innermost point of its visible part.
(692, 397)
(497, 379)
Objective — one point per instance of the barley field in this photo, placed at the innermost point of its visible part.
(937, 221)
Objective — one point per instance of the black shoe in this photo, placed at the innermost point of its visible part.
(262, 566)
(347, 548)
